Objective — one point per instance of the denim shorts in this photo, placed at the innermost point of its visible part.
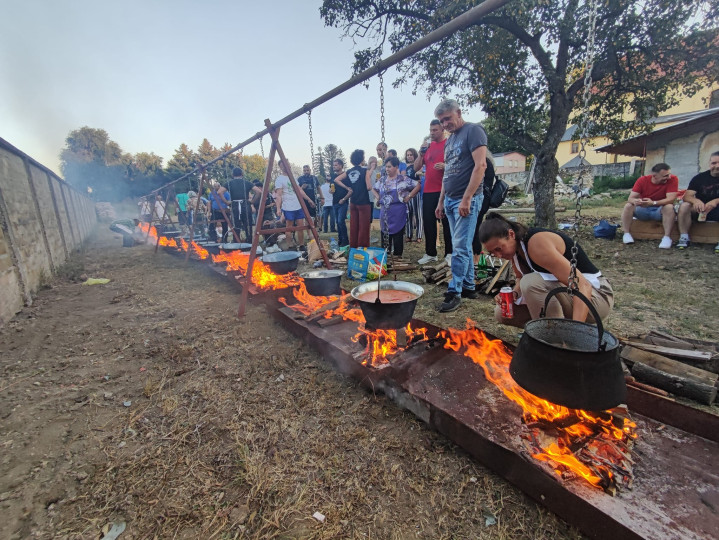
(293, 215)
(648, 213)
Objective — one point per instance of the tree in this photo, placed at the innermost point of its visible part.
(319, 165)
(181, 162)
(523, 63)
(255, 167)
(331, 152)
(93, 163)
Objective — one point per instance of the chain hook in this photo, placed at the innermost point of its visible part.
(586, 168)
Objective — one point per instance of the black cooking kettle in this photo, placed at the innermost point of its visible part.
(568, 362)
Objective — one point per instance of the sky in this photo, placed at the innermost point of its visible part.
(158, 73)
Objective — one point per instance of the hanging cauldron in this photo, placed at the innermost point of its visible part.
(396, 307)
(282, 262)
(570, 363)
(323, 282)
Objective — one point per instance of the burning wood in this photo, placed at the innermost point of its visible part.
(574, 443)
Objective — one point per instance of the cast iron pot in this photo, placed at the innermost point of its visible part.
(241, 246)
(323, 282)
(570, 363)
(282, 262)
(387, 316)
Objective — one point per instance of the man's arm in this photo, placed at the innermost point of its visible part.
(479, 155)
(439, 211)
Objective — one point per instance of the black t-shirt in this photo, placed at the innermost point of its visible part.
(584, 264)
(240, 189)
(706, 186)
(312, 182)
(356, 180)
(338, 192)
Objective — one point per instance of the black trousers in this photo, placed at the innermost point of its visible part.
(241, 219)
(429, 205)
(396, 242)
(212, 233)
(476, 244)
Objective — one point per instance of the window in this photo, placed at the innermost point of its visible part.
(575, 148)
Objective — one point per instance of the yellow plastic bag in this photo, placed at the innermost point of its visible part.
(96, 281)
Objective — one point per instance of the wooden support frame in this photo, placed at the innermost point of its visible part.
(310, 225)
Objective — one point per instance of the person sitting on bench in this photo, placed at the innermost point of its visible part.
(701, 201)
(652, 198)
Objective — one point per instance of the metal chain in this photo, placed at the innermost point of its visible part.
(312, 142)
(572, 284)
(262, 148)
(381, 104)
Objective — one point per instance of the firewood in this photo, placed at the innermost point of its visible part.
(332, 305)
(498, 276)
(667, 365)
(647, 388)
(439, 275)
(695, 356)
(437, 267)
(681, 386)
(335, 319)
(668, 337)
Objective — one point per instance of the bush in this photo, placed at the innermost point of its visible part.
(605, 183)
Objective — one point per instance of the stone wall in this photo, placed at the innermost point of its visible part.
(42, 221)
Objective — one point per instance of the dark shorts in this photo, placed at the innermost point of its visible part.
(293, 215)
(182, 217)
(711, 216)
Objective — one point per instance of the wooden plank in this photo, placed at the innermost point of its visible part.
(664, 335)
(694, 356)
(667, 365)
(701, 233)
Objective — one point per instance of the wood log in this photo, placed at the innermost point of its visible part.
(437, 267)
(345, 299)
(681, 386)
(513, 210)
(498, 276)
(694, 356)
(664, 335)
(324, 323)
(439, 275)
(667, 365)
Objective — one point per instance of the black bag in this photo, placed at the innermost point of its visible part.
(498, 193)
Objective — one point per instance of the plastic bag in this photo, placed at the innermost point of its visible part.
(605, 230)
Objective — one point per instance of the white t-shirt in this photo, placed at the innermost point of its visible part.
(289, 197)
(160, 209)
(325, 189)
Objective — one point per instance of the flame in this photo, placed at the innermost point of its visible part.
(307, 303)
(382, 344)
(262, 276)
(167, 242)
(494, 358)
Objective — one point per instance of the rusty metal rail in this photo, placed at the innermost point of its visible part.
(467, 19)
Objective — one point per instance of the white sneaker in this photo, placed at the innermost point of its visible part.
(628, 239)
(666, 243)
(426, 258)
(448, 258)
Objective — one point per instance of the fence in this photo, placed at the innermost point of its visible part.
(42, 221)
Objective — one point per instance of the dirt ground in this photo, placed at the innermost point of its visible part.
(146, 402)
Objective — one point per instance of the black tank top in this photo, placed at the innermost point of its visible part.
(584, 265)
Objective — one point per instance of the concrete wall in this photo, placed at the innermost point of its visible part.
(42, 221)
(687, 155)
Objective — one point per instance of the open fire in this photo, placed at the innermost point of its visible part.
(595, 446)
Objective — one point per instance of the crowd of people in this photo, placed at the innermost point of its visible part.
(449, 182)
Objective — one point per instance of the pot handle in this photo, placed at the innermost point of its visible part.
(600, 327)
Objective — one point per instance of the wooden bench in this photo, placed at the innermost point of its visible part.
(700, 233)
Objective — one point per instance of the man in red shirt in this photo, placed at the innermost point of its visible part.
(432, 158)
(652, 198)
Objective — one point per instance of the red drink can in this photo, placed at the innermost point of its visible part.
(506, 296)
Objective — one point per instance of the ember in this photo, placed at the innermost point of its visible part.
(382, 344)
(595, 446)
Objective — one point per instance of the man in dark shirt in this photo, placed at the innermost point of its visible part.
(311, 186)
(701, 201)
(339, 203)
(241, 192)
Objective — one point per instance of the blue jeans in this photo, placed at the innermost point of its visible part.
(462, 229)
(340, 211)
(328, 215)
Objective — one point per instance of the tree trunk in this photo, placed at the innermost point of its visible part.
(545, 174)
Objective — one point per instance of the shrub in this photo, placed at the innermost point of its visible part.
(605, 183)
